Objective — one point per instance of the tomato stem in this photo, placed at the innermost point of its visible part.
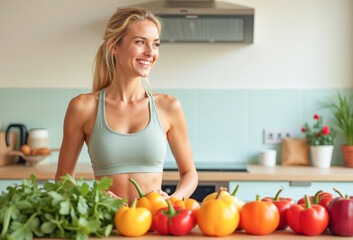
(137, 188)
(258, 197)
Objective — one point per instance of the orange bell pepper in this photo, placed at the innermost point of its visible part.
(133, 222)
(152, 201)
(218, 217)
(258, 217)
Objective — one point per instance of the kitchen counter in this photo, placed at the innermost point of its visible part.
(256, 173)
(241, 235)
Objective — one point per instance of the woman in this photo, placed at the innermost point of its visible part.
(125, 126)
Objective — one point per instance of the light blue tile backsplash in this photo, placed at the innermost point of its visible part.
(223, 125)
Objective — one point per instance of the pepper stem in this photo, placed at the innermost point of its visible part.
(235, 190)
(257, 197)
(137, 187)
(277, 195)
(171, 210)
(184, 199)
(219, 194)
(316, 199)
(307, 202)
(341, 195)
(133, 204)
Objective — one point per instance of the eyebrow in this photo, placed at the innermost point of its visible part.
(157, 39)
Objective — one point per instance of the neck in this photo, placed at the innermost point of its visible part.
(125, 90)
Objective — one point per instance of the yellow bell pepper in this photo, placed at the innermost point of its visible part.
(133, 222)
(152, 201)
(218, 217)
(226, 196)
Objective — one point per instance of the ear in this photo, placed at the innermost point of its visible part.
(112, 47)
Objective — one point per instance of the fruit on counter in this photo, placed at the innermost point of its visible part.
(227, 197)
(65, 209)
(341, 215)
(321, 198)
(259, 217)
(309, 219)
(133, 221)
(27, 150)
(218, 216)
(174, 220)
(152, 201)
(282, 205)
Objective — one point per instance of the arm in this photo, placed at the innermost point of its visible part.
(72, 140)
(181, 149)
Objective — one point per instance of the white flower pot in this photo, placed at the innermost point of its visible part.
(321, 155)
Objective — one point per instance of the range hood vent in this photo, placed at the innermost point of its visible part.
(203, 21)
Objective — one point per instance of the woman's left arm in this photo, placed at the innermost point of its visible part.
(181, 149)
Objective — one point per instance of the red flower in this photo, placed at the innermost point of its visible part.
(303, 129)
(325, 130)
(317, 135)
(316, 116)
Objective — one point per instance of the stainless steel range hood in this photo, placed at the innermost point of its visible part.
(203, 21)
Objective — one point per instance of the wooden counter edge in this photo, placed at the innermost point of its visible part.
(256, 173)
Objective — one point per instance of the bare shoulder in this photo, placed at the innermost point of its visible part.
(84, 104)
(167, 103)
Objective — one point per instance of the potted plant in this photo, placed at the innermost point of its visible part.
(342, 109)
(320, 138)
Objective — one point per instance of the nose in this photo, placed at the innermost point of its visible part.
(149, 50)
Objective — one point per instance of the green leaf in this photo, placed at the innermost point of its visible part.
(104, 183)
(82, 205)
(47, 227)
(68, 177)
(57, 198)
(81, 235)
(65, 207)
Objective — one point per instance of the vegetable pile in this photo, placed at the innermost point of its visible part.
(65, 209)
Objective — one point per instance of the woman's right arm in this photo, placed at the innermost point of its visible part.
(73, 138)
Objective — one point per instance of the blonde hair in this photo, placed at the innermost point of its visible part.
(116, 29)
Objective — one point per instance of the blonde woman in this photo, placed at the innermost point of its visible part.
(125, 126)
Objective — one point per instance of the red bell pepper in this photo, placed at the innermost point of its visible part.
(282, 204)
(309, 220)
(321, 198)
(341, 215)
(174, 220)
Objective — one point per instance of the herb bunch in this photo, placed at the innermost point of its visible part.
(318, 134)
(65, 209)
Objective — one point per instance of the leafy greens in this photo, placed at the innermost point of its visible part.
(65, 209)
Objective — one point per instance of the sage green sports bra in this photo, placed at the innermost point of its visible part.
(112, 152)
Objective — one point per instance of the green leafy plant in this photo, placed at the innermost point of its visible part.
(342, 109)
(319, 134)
(65, 209)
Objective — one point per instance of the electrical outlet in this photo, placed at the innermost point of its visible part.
(274, 136)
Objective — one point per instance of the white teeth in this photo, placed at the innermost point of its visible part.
(144, 62)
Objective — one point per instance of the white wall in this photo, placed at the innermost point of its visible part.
(298, 44)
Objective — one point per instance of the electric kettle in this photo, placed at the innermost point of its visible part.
(23, 137)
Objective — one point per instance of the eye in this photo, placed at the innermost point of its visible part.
(139, 41)
(156, 44)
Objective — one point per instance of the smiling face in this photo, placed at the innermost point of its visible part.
(138, 50)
